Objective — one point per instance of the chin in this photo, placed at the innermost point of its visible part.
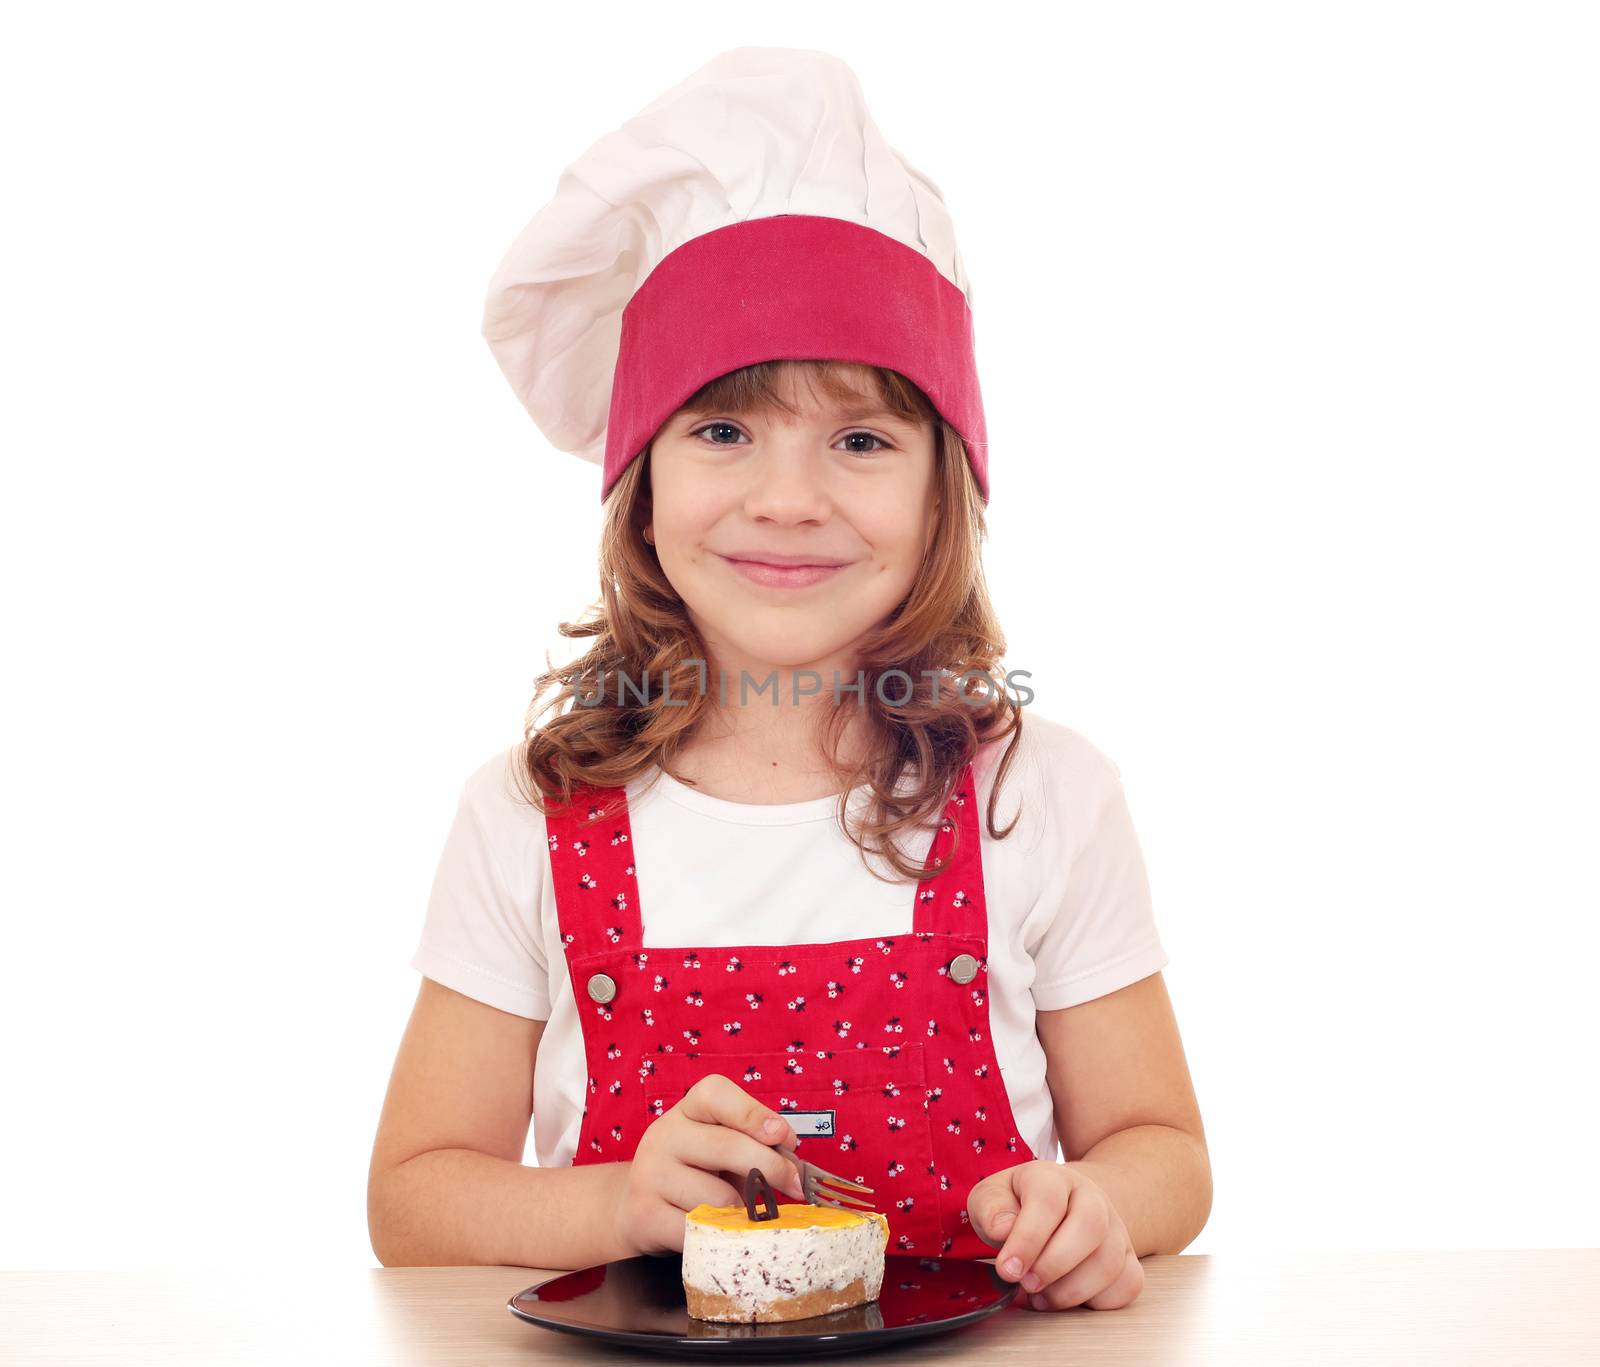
(782, 650)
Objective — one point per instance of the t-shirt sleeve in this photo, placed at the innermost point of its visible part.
(481, 934)
(1098, 930)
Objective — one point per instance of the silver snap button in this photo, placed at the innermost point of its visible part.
(963, 968)
(601, 988)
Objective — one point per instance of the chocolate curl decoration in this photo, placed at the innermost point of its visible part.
(756, 1187)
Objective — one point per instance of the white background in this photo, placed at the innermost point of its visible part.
(1286, 319)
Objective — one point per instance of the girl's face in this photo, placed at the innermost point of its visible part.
(787, 538)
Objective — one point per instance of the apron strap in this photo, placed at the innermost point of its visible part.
(952, 903)
(597, 890)
(591, 861)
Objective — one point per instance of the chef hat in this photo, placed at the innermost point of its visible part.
(751, 213)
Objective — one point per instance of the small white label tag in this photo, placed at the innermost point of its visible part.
(810, 1122)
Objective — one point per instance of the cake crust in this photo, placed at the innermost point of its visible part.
(824, 1300)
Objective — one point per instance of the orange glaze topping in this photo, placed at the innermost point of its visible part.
(789, 1217)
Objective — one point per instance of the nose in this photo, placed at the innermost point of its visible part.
(788, 480)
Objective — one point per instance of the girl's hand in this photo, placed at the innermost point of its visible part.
(717, 1132)
(1058, 1234)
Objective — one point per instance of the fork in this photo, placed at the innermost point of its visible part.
(815, 1184)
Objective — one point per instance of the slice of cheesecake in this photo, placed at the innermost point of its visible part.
(811, 1260)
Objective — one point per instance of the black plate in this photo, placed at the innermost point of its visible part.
(639, 1302)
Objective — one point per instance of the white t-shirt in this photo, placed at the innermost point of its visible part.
(1070, 915)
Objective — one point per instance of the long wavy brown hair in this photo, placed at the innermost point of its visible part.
(944, 631)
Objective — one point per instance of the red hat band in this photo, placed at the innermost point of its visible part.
(790, 287)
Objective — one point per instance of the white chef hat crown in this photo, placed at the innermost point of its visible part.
(751, 213)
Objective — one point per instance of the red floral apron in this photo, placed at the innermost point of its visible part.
(876, 1050)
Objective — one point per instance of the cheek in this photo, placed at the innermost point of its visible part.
(696, 575)
(684, 500)
(687, 570)
(681, 527)
(674, 519)
(897, 554)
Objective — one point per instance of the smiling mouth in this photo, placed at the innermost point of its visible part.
(782, 576)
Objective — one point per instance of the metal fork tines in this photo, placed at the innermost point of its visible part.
(823, 1188)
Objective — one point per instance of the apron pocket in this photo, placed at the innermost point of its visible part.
(860, 1113)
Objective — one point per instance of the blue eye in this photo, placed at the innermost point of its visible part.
(870, 436)
(710, 427)
(715, 427)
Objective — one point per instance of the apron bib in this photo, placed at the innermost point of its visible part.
(876, 1050)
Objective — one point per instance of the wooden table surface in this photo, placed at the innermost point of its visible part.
(1521, 1307)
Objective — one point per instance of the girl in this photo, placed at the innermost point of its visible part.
(788, 863)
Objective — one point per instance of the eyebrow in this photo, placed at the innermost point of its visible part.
(858, 413)
(863, 412)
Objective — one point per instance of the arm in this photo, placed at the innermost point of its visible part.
(1126, 1111)
(447, 1185)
